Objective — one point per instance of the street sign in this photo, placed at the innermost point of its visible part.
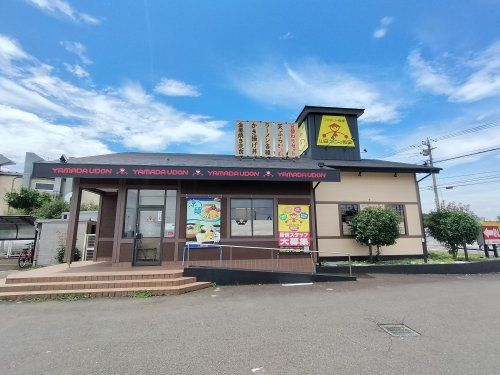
(491, 235)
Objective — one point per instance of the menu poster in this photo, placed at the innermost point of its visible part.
(203, 220)
(293, 226)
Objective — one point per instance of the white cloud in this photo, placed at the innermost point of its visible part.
(77, 70)
(43, 113)
(29, 132)
(312, 82)
(479, 77)
(381, 31)
(172, 87)
(10, 50)
(286, 36)
(77, 49)
(60, 8)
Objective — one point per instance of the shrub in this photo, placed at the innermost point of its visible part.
(77, 255)
(89, 207)
(52, 209)
(376, 226)
(455, 226)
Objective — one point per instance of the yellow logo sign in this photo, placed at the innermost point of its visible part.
(303, 143)
(334, 131)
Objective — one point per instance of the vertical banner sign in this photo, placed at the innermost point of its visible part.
(241, 139)
(280, 140)
(254, 138)
(293, 144)
(203, 220)
(267, 138)
(334, 132)
(303, 142)
(293, 225)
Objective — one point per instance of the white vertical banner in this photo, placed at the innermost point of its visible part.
(267, 139)
(254, 138)
(293, 141)
(240, 141)
(280, 140)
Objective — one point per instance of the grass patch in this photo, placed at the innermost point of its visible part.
(213, 284)
(141, 294)
(433, 257)
(62, 297)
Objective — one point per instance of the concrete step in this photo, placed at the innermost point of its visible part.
(102, 284)
(107, 292)
(95, 276)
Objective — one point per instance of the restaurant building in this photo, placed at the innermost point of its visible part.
(289, 186)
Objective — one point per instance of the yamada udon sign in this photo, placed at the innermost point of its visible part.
(184, 173)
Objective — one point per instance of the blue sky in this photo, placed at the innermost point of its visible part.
(90, 77)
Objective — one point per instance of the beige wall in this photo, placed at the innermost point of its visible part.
(6, 186)
(369, 189)
(89, 197)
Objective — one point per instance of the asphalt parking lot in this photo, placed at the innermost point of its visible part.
(325, 328)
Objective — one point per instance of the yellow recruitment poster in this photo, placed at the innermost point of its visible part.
(303, 143)
(334, 131)
(293, 225)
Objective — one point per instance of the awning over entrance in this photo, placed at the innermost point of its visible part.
(19, 227)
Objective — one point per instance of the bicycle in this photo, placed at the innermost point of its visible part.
(26, 256)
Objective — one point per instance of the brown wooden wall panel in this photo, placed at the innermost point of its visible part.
(167, 252)
(126, 252)
(104, 249)
(245, 187)
(107, 218)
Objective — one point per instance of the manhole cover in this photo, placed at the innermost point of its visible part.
(399, 330)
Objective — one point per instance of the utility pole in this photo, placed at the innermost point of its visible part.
(428, 152)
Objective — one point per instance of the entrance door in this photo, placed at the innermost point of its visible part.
(148, 236)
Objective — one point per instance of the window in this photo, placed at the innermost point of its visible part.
(347, 212)
(130, 213)
(44, 186)
(400, 210)
(151, 197)
(252, 217)
(144, 198)
(170, 211)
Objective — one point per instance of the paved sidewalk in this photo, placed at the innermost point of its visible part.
(271, 329)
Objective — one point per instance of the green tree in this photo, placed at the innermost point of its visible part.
(26, 200)
(52, 209)
(455, 226)
(425, 219)
(376, 226)
(89, 207)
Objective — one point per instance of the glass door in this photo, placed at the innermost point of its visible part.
(148, 236)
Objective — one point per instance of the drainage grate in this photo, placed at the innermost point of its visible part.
(398, 330)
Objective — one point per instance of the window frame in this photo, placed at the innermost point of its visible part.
(163, 205)
(405, 221)
(358, 206)
(46, 184)
(252, 235)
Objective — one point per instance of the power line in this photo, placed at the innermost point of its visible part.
(443, 137)
(469, 154)
(477, 179)
(466, 131)
(469, 174)
(451, 186)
